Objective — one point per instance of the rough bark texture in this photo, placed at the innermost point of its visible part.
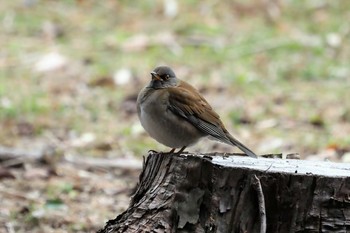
(187, 193)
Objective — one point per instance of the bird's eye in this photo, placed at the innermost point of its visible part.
(166, 77)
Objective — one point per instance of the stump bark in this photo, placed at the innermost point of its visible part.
(215, 193)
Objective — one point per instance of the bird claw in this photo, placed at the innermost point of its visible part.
(172, 151)
(153, 152)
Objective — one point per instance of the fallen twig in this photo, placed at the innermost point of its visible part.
(18, 195)
(123, 163)
(12, 153)
(15, 156)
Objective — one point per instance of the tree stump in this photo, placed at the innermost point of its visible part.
(215, 193)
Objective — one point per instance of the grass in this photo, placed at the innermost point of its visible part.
(280, 77)
(247, 51)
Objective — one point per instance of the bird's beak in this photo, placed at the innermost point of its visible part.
(155, 76)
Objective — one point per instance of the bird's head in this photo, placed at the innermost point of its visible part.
(163, 77)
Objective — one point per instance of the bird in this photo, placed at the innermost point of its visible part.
(176, 115)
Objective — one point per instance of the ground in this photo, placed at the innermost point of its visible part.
(276, 71)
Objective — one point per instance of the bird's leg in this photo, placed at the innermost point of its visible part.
(181, 150)
(172, 151)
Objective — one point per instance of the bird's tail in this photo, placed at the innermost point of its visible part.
(242, 147)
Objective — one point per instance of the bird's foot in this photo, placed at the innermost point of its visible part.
(172, 151)
(153, 152)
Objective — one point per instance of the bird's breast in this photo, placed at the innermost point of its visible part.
(162, 124)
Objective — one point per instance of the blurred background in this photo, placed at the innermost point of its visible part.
(71, 145)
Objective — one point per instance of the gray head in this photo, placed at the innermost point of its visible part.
(162, 77)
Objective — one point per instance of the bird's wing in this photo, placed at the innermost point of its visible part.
(185, 101)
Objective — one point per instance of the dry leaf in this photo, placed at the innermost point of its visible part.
(6, 174)
(50, 62)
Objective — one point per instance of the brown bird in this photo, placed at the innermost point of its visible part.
(175, 114)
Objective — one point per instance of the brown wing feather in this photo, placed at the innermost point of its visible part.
(191, 102)
(186, 101)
